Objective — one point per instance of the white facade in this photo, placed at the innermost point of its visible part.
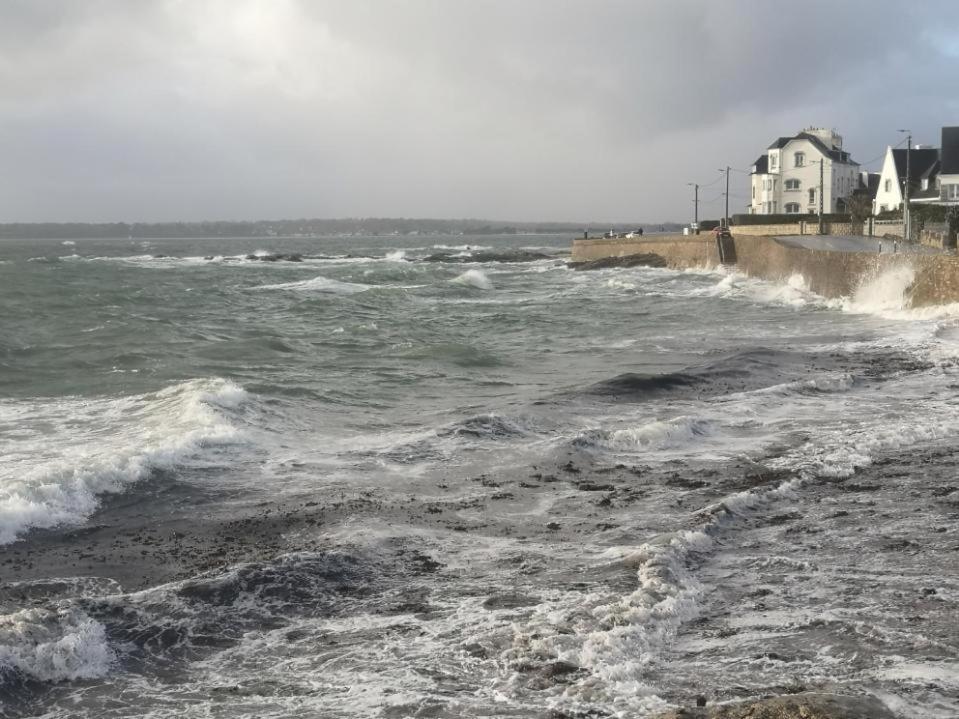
(889, 192)
(949, 189)
(790, 181)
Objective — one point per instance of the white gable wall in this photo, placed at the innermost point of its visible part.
(891, 198)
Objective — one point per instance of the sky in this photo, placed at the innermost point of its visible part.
(565, 110)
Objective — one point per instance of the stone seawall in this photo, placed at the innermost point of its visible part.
(677, 251)
(827, 273)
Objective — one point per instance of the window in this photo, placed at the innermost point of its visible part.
(792, 208)
(773, 161)
(812, 196)
(791, 185)
(754, 192)
(888, 186)
(949, 192)
(799, 159)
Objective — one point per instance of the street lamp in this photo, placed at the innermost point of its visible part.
(906, 211)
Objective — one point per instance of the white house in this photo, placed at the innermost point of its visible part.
(923, 170)
(786, 179)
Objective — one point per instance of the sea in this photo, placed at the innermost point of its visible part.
(451, 476)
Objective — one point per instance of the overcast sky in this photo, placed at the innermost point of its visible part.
(123, 110)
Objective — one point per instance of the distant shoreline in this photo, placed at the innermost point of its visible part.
(308, 228)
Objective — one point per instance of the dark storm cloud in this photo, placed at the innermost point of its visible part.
(536, 109)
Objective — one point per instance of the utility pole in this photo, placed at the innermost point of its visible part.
(822, 184)
(906, 210)
(695, 207)
(726, 225)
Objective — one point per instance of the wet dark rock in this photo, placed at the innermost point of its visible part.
(593, 487)
(509, 601)
(646, 259)
(488, 256)
(681, 482)
(797, 706)
(475, 649)
(277, 257)
(559, 669)
(552, 525)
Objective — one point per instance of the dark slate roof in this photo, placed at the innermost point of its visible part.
(932, 191)
(836, 155)
(931, 172)
(950, 151)
(762, 165)
(870, 187)
(920, 162)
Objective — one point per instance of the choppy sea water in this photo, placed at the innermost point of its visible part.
(448, 477)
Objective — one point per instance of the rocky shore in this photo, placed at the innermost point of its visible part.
(798, 706)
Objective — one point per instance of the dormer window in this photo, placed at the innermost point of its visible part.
(773, 162)
(799, 159)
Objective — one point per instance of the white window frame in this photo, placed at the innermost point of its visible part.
(792, 208)
(799, 159)
(792, 185)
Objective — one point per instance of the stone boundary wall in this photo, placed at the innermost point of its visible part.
(794, 228)
(678, 251)
(806, 227)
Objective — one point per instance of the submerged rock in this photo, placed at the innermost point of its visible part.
(796, 706)
(646, 259)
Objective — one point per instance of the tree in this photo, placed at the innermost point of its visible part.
(859, 207)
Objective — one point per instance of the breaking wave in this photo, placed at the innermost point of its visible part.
(103, 446)
(319, 284)
(474, 278)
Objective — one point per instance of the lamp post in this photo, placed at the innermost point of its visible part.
(695, 186)
(906, 210)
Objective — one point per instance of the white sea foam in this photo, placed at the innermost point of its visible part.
(794, 292)
(103, 445)
(474, 278)
(462, 248)
(319, 284)
(661, 434)
(618, 637)
(68, 243)
(54, 646)
(396, 256)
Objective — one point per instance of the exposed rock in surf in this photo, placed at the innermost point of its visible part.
(509, 601)
(646, 259)
(276, 257)
(796, 706)
(513, 256)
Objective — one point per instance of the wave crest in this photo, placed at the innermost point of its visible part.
(105, 445)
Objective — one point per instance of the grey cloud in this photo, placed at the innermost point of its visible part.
(568, 110)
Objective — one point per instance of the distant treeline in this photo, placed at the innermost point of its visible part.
(308, 228)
